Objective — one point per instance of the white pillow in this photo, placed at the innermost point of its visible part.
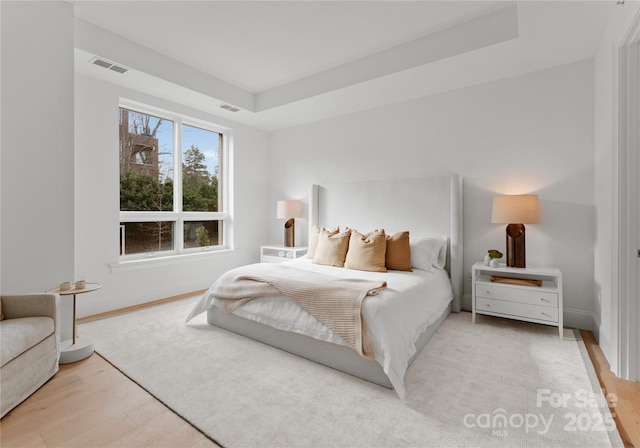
(429, 254)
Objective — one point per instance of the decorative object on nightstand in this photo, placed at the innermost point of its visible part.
(289, 210)
(516, 211)
(76, 348)
(492, 257)
(532, 294)
(279, 254)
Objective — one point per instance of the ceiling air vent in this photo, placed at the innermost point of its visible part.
(230, 108)
(108, 65)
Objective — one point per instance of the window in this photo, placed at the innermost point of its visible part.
(173, 184)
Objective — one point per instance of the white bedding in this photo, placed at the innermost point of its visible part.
(396, 316)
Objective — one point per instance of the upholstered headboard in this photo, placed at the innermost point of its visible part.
(430, 206)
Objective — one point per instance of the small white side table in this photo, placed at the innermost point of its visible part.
(76, 348)
(279, 254)
(540, 304)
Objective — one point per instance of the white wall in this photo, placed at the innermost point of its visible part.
(97, 204)
(527, 134)
(37, 148)
(606, 178)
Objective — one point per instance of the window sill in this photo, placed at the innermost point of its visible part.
(170, 260)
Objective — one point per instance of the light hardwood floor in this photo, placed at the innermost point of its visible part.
(92, 404)
(626, 407)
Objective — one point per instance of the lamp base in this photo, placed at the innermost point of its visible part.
(289, 233)
(516, 253)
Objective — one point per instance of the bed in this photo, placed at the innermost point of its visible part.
(401, 317)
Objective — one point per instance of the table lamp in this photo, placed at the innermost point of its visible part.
(516, 211)
(289, 210)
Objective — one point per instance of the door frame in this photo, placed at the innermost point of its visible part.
(628, 205)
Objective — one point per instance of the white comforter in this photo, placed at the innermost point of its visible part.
(396, 316)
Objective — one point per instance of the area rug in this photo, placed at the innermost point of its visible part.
(493, 383)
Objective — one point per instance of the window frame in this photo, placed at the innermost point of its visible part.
(177, 216)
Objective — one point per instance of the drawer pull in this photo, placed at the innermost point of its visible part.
(544, 300)
(488, 292)
(488, 306)
(545, 314)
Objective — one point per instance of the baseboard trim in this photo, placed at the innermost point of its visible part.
(140, 306)
(582, 320)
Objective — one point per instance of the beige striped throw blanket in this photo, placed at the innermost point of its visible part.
(336, 302)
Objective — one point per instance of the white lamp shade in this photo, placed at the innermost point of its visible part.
(289, 209)
(516, 209)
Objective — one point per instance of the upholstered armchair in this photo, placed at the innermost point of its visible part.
(29, 345)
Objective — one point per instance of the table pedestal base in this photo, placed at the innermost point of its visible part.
(70, 352)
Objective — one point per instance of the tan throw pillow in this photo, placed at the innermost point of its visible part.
(332, 248)
(398, 256)
(367, 252)
(313, 239)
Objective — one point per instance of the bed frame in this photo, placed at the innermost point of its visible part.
(426, 207)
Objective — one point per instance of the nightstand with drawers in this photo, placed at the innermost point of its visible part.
(514, 295)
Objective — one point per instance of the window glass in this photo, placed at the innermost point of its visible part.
(202, 234)
(144, 237)
(146, 162)
(200, 165)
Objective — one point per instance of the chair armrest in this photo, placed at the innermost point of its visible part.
(31, 305)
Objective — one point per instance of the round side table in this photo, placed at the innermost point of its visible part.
(76, 348)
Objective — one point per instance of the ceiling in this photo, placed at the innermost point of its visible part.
(292, 62)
